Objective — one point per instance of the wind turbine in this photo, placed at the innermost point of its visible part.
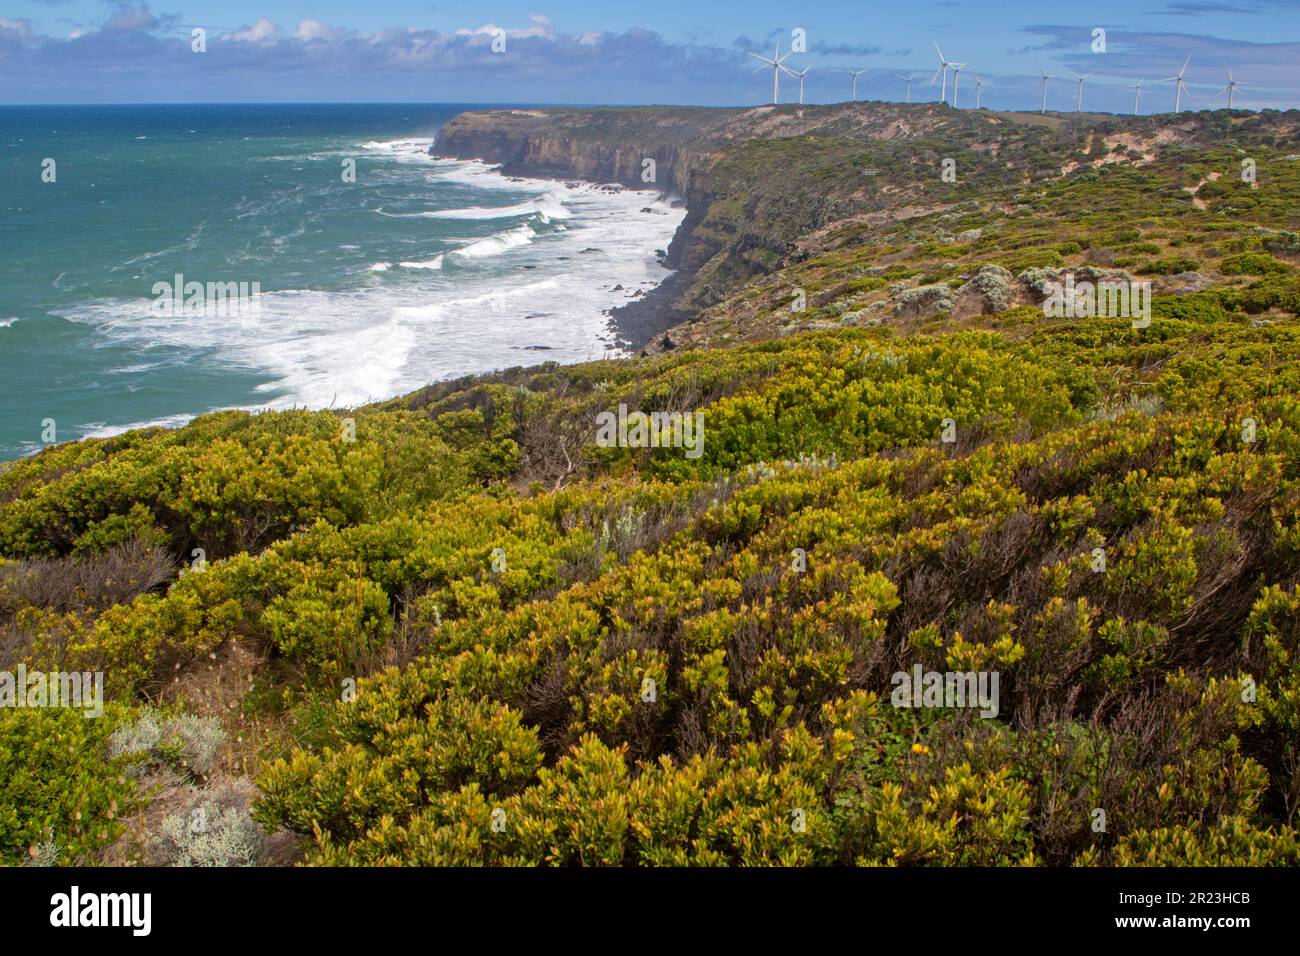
(1078, 103)
(943, 68)
(855, 74)
(1043, 84)
(1179, 85)
(1137, 96)
(1229, 89)
(956, 74)
(978, 86)
(908, 80)
(775, 64)
(800, 74)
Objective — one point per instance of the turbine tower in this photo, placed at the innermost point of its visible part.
(1043, 84)
(907, 78)
(944, 65)
(956, 74)
(776, 67)
(1229, 89)
(1078, 103)
(855, 74)
(979, 84)
(1137, 96)
(800, 74)
(1179, 85)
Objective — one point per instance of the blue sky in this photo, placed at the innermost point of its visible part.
(652, 51)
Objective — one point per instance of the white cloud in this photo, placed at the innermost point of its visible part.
(21, 28)
(310, 30)
(127, 19)
(261, 32)
(541, 29)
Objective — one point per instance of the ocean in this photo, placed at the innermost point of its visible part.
(420, 270)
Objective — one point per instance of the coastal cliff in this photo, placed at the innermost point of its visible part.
(601, 145)
(613, 146)
(943, 454)
(756, 182)
(769, 187)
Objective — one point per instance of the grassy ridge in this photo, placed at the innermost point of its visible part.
(451, 629)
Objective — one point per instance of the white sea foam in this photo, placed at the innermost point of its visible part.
(548, 206)
(497, 244)
(526, 287)
(434, 263)
(5, 323)
(402, 150)
(100, 430)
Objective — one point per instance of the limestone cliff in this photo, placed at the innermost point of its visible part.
(768, 187)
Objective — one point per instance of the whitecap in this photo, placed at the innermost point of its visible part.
(434, 263)
(497, 244)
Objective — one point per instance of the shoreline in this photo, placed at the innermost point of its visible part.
(648, 319)
(619, 323)
(636, 324)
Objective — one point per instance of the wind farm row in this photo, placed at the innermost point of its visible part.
(777, 65)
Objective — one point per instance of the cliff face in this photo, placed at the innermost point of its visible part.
(602, 145)
(768, 187)
(612, 145)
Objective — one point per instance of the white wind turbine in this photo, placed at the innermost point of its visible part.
(956, 74)
(907, 78)
(1229, 89)
(1179, 85)
(1137, 96)
(979, 84)
(1078, 103)
(776, 67)
(855, 74)
(944, 65)
(800, 74)
(1043, 84)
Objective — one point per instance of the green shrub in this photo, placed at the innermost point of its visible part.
(59, 787)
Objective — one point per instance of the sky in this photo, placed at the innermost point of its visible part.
(690, 52)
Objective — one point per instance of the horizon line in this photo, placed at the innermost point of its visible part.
(564, 105)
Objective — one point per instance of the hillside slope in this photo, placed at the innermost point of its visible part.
(768, 187)
(459, 628)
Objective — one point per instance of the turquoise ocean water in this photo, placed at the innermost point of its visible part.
(421, 269)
